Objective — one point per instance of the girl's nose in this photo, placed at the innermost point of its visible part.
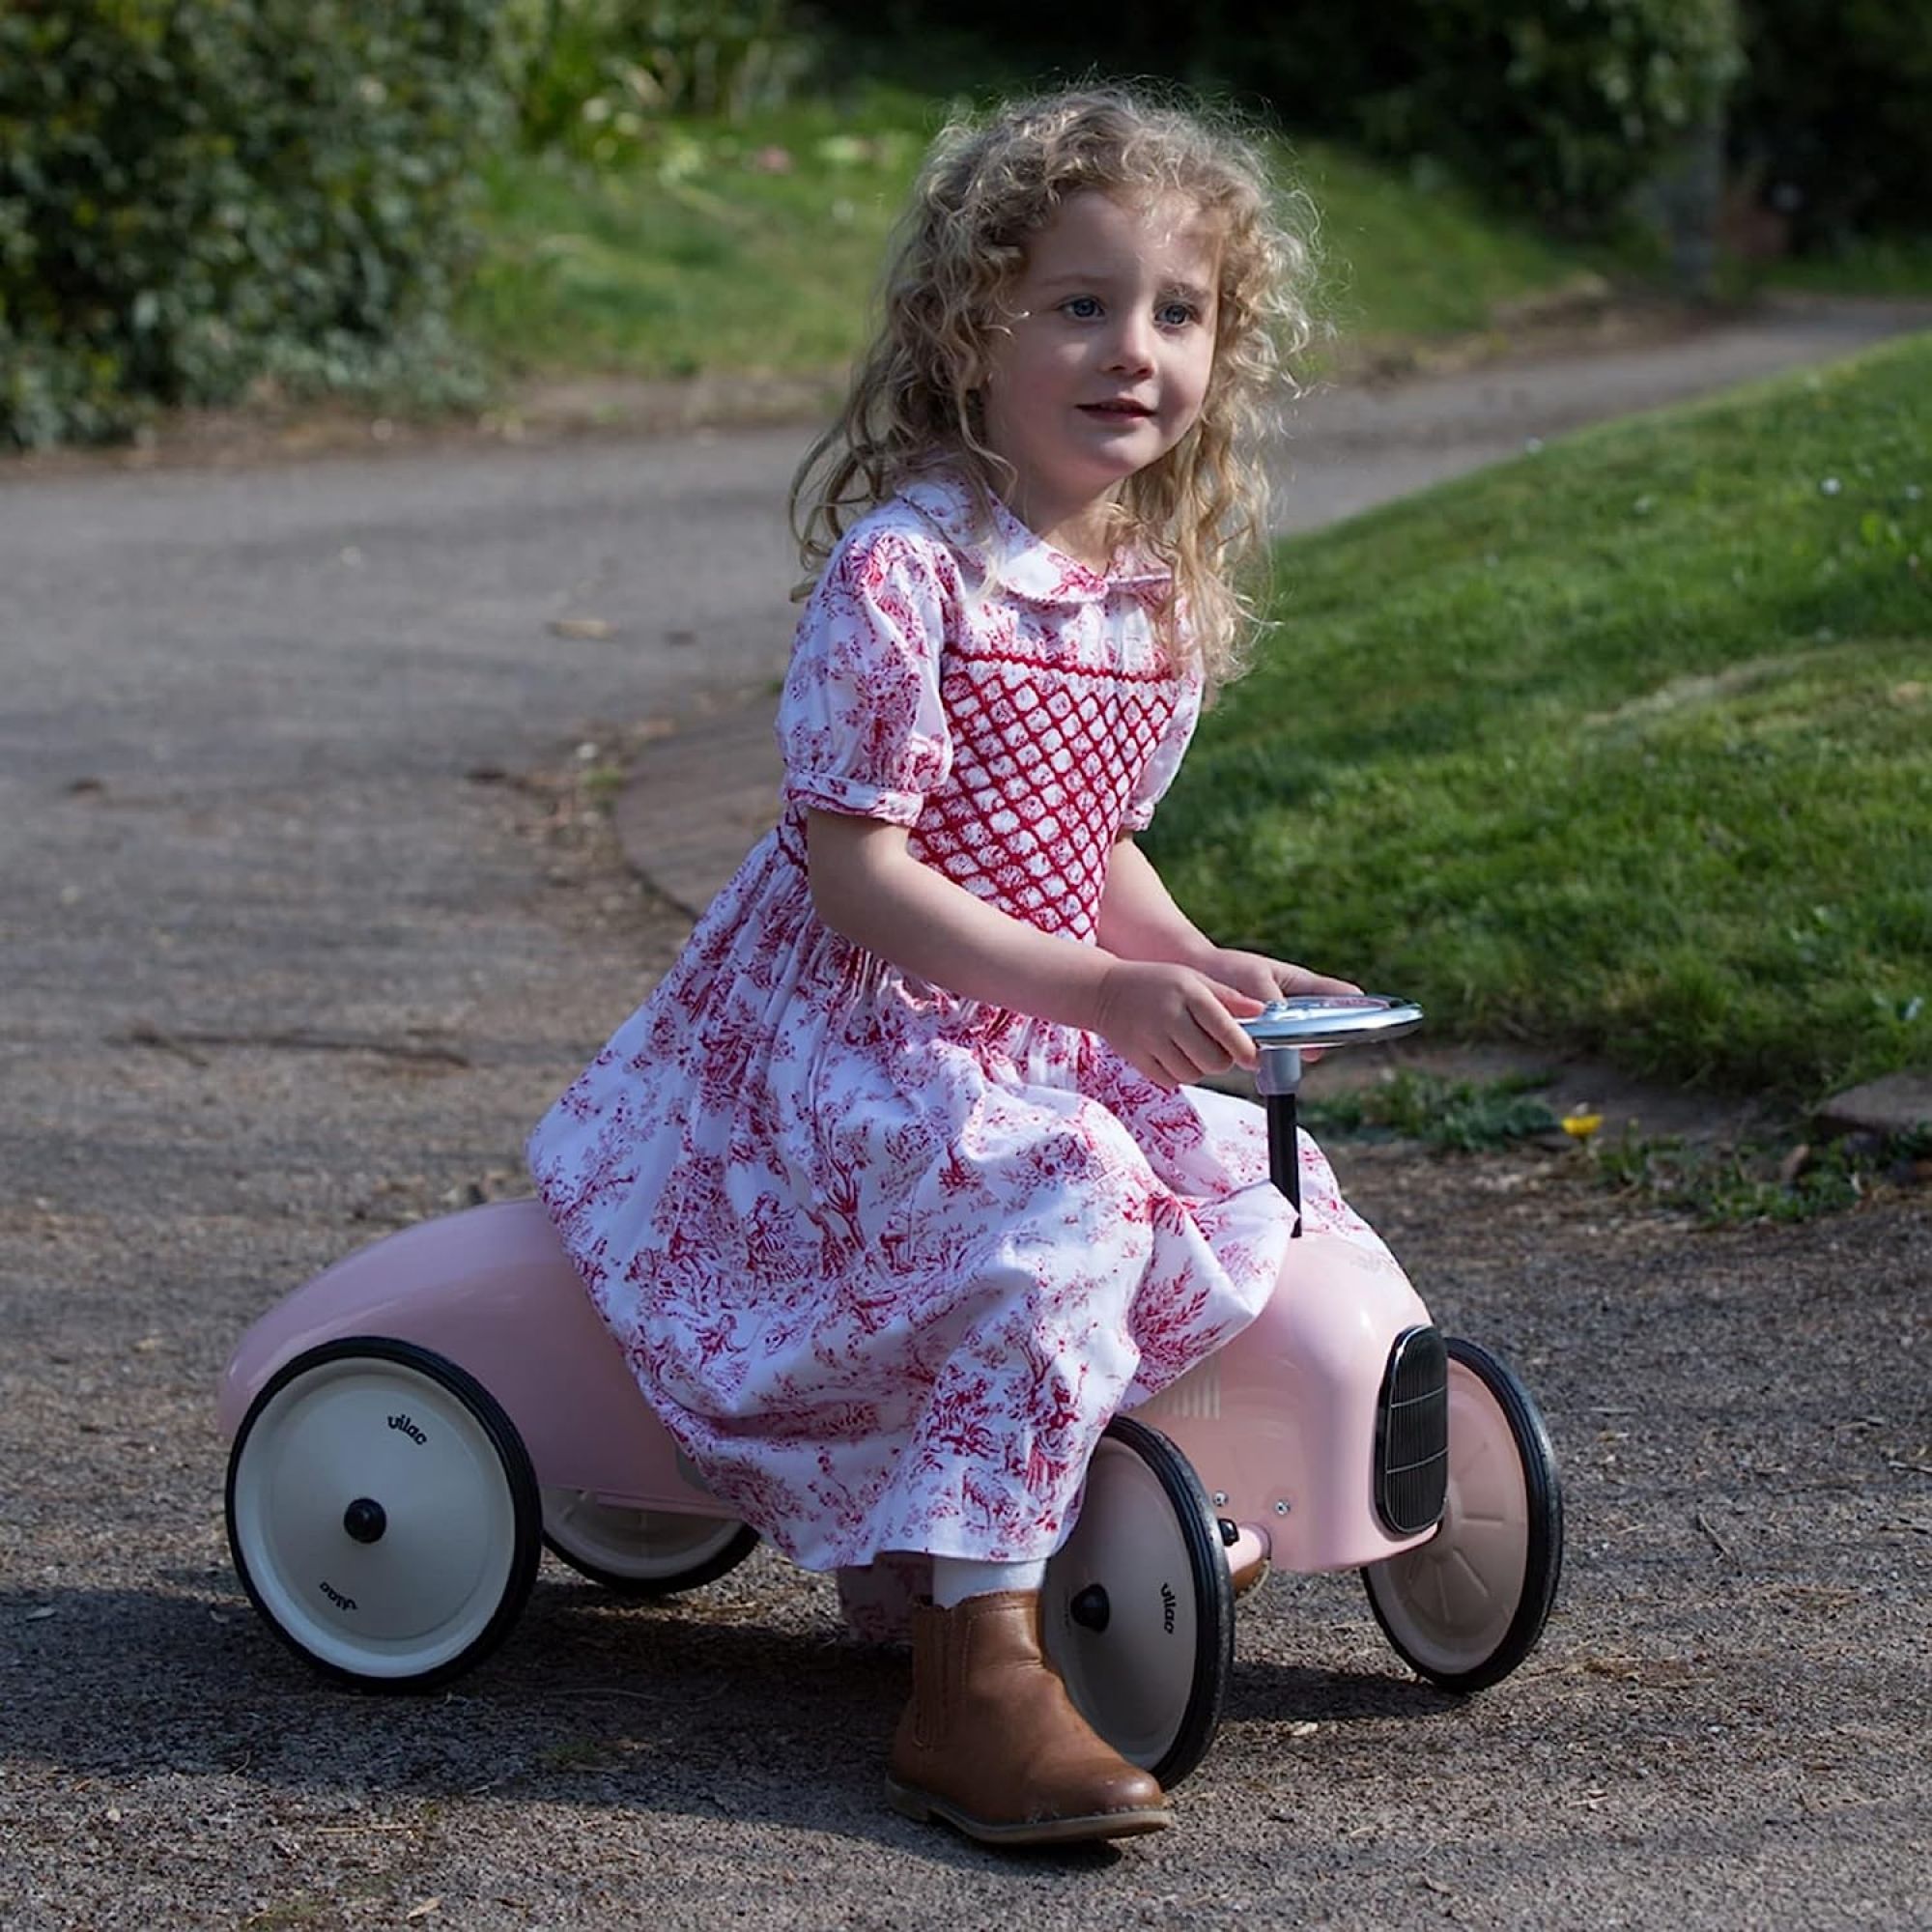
(1131, 351)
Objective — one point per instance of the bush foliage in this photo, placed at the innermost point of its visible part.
(1832, 122)
(591, 76)
(197, 193)
(1559, 106)
(1563, 107)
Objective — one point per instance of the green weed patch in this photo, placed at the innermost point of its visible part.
(1720, 1185)
(1454, 1116)
(1761, 1181)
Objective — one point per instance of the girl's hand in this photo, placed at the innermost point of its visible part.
(1263, 979)
(1269, 979)
(1172, 1022)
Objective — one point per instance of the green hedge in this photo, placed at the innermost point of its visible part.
(1832, 124)
(593, 78)
(1566, 107)
(1560, 107)
(198, 194)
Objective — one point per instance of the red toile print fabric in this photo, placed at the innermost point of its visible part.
(883, 1260)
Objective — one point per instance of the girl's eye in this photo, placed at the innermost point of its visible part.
(1176, 314)
(1081, 308)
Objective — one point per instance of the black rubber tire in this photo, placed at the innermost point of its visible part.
(1515, 1418)
(1186, 1733)
(520, 1485)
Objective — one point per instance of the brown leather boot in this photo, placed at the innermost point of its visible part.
(1248, 1560)
(993, 1744)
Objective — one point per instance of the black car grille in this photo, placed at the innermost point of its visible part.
(1412, 1434)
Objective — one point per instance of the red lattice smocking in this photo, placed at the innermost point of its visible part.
(1046, 759)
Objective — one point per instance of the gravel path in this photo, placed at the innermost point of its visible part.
(298, 934)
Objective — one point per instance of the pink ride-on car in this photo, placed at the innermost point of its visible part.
(412, 1426)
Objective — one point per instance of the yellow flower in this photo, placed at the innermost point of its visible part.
(1581, 1126)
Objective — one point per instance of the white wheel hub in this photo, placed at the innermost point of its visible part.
(627, 1541)
(1450, 1601)
(1119, 1610)
(373, 1516)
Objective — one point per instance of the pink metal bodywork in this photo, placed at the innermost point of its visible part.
(491, 1290)
(1279, 1425)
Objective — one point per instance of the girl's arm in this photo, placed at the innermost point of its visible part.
(1139, 920)
(1169, 1017)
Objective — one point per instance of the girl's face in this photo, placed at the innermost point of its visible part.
(1103, 360)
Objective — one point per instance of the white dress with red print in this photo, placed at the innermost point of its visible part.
(885, 1261)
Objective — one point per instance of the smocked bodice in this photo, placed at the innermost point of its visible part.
(1015, 710)
(1046, 759)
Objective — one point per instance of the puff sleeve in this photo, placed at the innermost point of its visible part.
(861, 724)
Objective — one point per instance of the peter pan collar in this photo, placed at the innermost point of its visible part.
(1003, 550)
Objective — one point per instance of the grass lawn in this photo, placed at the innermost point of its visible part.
(747, 248)
(756, 248)
(1400, 260)
(1624, 747)
(1876, 266)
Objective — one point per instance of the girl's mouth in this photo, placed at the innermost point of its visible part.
(1128, 410)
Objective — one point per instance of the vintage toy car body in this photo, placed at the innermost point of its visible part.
(413, 1425)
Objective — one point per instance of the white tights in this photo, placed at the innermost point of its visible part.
(955, 1579)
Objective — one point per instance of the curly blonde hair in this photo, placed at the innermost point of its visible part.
(984, 189)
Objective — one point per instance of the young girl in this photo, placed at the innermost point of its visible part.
(894, 1192)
